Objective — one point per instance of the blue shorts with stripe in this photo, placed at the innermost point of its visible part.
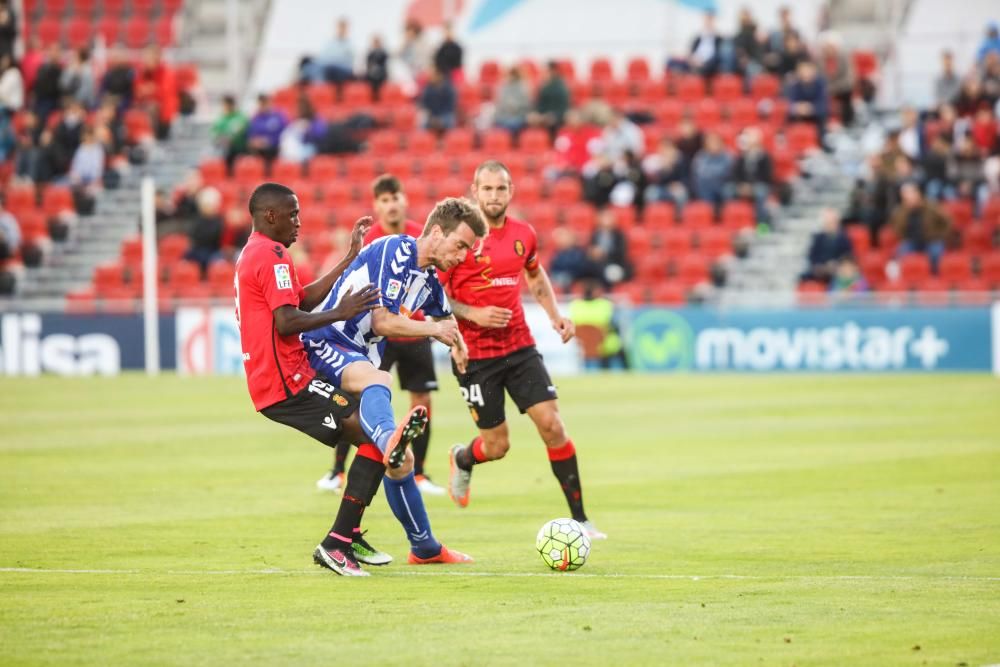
(330, 359)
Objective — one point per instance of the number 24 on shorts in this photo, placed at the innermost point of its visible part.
(473, 395)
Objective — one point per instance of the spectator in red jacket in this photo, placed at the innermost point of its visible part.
(156, 91)
(573, 143)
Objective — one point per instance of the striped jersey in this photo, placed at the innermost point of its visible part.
(390, 263)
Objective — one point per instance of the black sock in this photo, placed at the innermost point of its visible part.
(568, 474)
(465, 458)
(363, 481)
(340, 457)
(419, 446)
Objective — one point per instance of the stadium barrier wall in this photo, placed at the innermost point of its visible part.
(200, 341)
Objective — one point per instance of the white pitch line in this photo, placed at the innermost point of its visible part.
(513, 575)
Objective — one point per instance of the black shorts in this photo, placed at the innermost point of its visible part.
(319, 411)
(521, 373)
(414, 363)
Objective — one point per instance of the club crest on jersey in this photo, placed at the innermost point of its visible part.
(393, 290)
(282, 276)
(340, 400)
(519, 248)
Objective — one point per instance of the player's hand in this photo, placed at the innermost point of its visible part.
(565, 328)
(460, 355)
(492, 317)
(361, 228)
(353, 303)
(447, 332)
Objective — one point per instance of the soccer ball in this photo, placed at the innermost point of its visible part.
(563, 544)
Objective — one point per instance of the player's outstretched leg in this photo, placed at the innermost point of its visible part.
(408, 507)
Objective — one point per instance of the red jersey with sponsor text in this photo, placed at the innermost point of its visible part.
(492, 277)
(410, 228)
(276, 366)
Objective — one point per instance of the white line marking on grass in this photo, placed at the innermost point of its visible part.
(513, 575)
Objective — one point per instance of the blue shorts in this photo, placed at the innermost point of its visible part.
(330, 359)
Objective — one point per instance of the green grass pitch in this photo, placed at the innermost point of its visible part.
(753, 520)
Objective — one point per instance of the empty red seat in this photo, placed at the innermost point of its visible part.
(764, 86)
(960, 211)
(20, 198)
(136, 32)
(212, 171)
(221, 274)
(690, 88)
(669, 113)
(676, 242)
(248, 170)
(978, 238)
(284, 171)
(48, 31)
(173, 247)
(737, 215)
(489, 73)
(742, 112)
(566, 191)
(581, 216)
(650, 92)
(421, 143)
(697, 214)
(399, 165)
(727, 88)
(914, 268)
(109, 28)
(337, 193)
(802, 137)
(714, 242)
(56, 199)
(600, 70)
(865, 63)
(496, 141)
(659, 215)
(637, 70)
(357, 94)
(183, 274)
(692, 269)
(668, 293)
(132, 251)
(989, 269)
(435, 167)
(324, 169)
(404, 118)
(78, 32)
(707, 114)
(458, 141)
(650, 268)
(991, 212)
(360, 169)
(534, 140)
(955, 267)
(543, 216)
(164, 31)
(529, 190)
(383, 143)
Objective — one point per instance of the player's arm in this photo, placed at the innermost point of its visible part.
(317, 290)
(541, 289)
(289, 320)
(387, 323)
(489, 317)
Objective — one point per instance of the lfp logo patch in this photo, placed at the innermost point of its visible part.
(392, 291)
(282, 276)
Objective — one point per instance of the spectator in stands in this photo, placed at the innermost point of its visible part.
(990, 43)
(667, 174)
(938, 170)
(11, 86)
(512, 102)
(229, 131)
(597, 312)
(839, 73)
(264, 131)
(990, 78)
(752, 176)
(711, 169)
(34, 56)
(8, 29)
(747, 46)
(301, 137)
(608, 249)
(376, 66)
(778, 39)
(569, 261)
(705, 56)
(448, 57)
(156, 91)
(63, 141)
(335, 63)
(969, 176)
(599, 180)
(689, 140)
(911, 137)
(573, 144)
(848, 279)
(46, 89)
(552, 101)
(919, 225)
(983, 131)
(970, 98)
(27, 152)
(87, 168)
(206, 230)
(794, 53)
(947, 84)
(620, 136)
(78, 79)
(415, 54)
(439, 102)
(8, 140)
(948, 124)
(119, 79)
(829, 247)
(10, 232)
(807, 97)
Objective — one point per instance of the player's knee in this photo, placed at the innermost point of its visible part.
(381, 377)
(496, 449)
(552, 430)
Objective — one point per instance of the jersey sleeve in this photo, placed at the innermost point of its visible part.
(531, 250)
(437, 304)
(392, 270)
(278, 282)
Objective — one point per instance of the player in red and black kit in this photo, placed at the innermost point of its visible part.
(412, 356)
(272, 310)
(485, 294)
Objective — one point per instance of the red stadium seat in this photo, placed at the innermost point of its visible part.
(543, 217)
(727, 88)
(637, 70)
(435, 167)
(20, 198)
(534, 140)
(173, 247)
(600, 70)
(109, 28)
(955, 267)
(357, 94)
(496, 141)
(183, 274)
(651, 91)
(399, 165)
(164, 31)
(567, 191)
(914, 268)
(714, 242)
(113, 6)
(567, 69)
(458, 141)
(136, 32)
(132, 251)
(668, 293)
(865, 63)
(860, 239)
(690, 88)
(812, 293)
(650, 268)
(659, 215)
(991, 212)
(78, 32)
(640, 241)
(625, 216)
(404, 118)
(887, 239)
(978, 238)
(676, 241)
(737, 215)
(324, 169)
(248, 171)
(187, 76)
(56, 199)
(765, 86)
(742, 112)
(960, 211)
(284, 171)
(989, 269)
(581, 216)
(361, 169)
(697, 214)
(221, 274)
(337, 193)
(33, 224)
(489, 73)
(529, 190)
(669, 113)
(383, 143)
(802, 137)
(692, 269)
(421, 143)
(707, 114)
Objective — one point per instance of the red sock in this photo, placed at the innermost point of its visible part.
(370, 451)
(477, 450)
(561, 453)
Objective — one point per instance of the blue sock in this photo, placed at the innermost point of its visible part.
(377, 420)
(408, 506)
